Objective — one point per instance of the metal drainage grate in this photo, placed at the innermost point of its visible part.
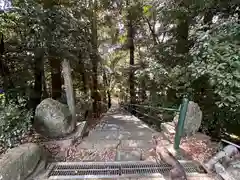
(87, 170)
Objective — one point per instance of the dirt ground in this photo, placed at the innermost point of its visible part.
(199, 147)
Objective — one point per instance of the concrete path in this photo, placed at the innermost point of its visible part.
(123, 136)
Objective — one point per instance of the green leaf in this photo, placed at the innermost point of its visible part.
(231, 98)
(122, 39)
(236, 74)
(238, 96)
(146, 10)
(237, 84)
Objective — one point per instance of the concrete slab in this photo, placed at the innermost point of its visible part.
(106, 144)
(111, 135)
(96, 155)
(124, 135)
(133, 144)
(108, 126)
(98, 144)
(86, 145)
(128, 155)
(136, 135)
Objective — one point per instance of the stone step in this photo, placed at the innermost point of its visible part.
(98, 144)
(118, 154)
(136, 144)
(125, 135)
(123, 125)
(121, 144)
(128, 155)
(110, 154)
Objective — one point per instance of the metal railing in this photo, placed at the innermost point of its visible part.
(141, 113)
(181, 120)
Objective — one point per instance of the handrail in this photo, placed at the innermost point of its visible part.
(156, 108)
(146, 114)
(228, 142)
(182, 116)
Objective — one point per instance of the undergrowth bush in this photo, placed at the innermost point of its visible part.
(15, 123)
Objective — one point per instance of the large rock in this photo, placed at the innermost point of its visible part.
(193, 119)
(53, 119)
(21, 162)
(234, 169)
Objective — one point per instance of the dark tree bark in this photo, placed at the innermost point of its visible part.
(107, 89)
(109, 99)
(84, 75)
(95, 59)
(56, 77)
(152, 29)
(5, 71)
(131, 60)
(207, 19)
(45, 91)
(143, 94)
(36, 95)
(105, 86)
(182, 46)
(55, 63)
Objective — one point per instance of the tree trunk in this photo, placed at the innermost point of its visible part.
(208, 16)
(105, 86)
(142, 87)
(182, 46)
(131, 60)
(109, 99)
(55, 63)
(94, 58)
(207, 19)
(45, 91)
(68, 85)
(84, 75)
(152, 27)
(143, 90)
(56, 77)
(5, 72)
(36, 95)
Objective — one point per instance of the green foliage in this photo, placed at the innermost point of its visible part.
(217, 55)
(147, 10)
(15, 123)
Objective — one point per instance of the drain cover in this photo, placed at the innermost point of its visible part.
(88, 170)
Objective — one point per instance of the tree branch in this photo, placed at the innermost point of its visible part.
(155, 38)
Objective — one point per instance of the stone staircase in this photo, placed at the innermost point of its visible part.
(122, 138)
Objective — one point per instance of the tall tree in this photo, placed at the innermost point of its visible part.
(36, 95)
(56, 79)
(5, 72)
(182, 46)
(130, 36)
(94, 56)
(55, 62)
